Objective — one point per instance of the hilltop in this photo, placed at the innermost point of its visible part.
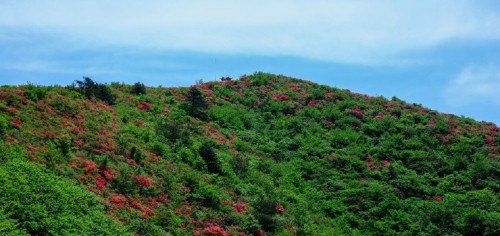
(261, 155)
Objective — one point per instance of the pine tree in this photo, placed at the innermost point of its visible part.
(197, 106)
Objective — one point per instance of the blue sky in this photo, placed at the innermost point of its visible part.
(443, 54)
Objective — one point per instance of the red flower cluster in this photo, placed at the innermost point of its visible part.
(328, 121)
(118, 200)
(357, 112)
(369, 163)
(16, 122)
(215, 230)
(97, 151)
(100, 182)
(491, 143)
(108, 147)
(437, 198)
(488, 139)
(143, 181)
(385, 162)
(153, 202)
(12, 139)
(163, 198)
(494, 128)
(144, 106)
(78, 142)
(240, 207)
(88, 166)
(280, 208)
(281, 97)
(109, 174)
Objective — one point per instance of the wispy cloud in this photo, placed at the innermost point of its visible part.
(474, 84)
(340, 31)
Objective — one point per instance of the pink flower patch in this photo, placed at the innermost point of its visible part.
(240, 207)
(437, 198)
(78, 142)
(489, 139)
(280, 209)
(12, 139)
(88, 166)
(109, 174)
(100, 182)
(144, 106)
(118, 200)
(11, 110)
(143, 181)
(357, 112)
(385, 162)
(16, 122)
(97, 151)
(328, 121)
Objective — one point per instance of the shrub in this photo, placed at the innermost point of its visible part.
(138, 88)
(90, 89)
(45, 204)
(208, 154)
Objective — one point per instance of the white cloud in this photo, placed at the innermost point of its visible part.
(474, 85)
(342, 31)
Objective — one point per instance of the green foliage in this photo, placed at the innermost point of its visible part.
(138, 88)
(8, 226)
(45, 204)
(196, 104)
(207, 152)
(3, 126)
(264, 154)
(90, 89)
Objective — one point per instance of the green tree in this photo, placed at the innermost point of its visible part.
(208, 154)
(138, 88)
(197, 106)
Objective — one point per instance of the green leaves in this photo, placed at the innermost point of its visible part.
(45, 204)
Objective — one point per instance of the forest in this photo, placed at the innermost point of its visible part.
(263, 154)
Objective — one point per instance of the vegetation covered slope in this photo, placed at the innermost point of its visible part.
(262, 155)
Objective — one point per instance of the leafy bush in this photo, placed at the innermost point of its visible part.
(90, 89)
(138, 88)
(45, 204)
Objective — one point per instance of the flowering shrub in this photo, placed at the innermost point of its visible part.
(280, 209)
(97, 151)
(78, 142)
(109, 174)
(385, 162)
(144, 106)
(100, 182)
(437, 198)
(489, 140)
(215, 230)
(240, 207)
(16, 122)
(118, 200)
(143, 181)
(357, 112)
(88, 166)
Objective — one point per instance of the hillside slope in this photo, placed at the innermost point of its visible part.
(262, 155)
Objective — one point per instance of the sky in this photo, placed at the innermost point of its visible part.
(444, 55)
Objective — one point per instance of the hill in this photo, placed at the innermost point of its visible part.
(261, 155)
